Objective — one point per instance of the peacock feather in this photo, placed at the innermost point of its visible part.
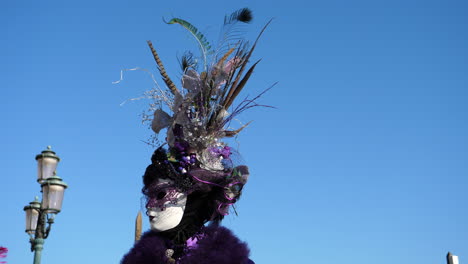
(199, 37)
(187, 61)
(233, 30)
(241, 15)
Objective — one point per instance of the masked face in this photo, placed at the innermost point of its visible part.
(165, 206)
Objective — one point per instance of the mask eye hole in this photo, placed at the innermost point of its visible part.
(160, 195)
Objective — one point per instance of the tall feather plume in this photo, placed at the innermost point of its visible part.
(240, 53)
(170, 84)
(199, 37)
(229, 99)
(232, 30)
(241, 85)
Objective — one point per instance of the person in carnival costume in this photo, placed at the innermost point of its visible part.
(194, 177)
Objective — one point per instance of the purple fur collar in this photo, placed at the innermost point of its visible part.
(218, 246)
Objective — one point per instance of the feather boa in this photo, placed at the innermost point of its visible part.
(218, 246)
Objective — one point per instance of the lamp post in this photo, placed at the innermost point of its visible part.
(38, 213)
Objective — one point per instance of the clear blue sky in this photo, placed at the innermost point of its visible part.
(365, 159)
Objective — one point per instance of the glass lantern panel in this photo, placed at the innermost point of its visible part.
(52, 198)
(31, 220)
(39, 169)
(28, 219)
(48, 167)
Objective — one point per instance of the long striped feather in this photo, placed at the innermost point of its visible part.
(170, 84)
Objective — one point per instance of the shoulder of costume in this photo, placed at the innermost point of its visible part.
(150, 248)
(219, 245)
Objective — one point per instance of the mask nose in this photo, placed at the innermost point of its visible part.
(150, 212)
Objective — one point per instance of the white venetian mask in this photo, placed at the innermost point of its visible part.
(166, 209)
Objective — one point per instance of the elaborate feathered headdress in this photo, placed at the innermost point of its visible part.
(197, 117)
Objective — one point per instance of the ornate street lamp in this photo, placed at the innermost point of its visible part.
(37, 213)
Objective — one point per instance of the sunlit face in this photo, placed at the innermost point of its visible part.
(165, 214)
